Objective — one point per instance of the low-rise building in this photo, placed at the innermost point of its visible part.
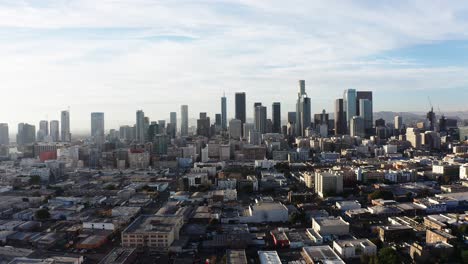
(354, 248)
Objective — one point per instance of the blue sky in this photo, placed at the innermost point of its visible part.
(120, 56)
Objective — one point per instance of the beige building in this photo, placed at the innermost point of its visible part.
(327, 183)
(154, 232)
(330, 226)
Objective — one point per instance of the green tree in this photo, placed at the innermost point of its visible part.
(381, 194)
(388, 255)
(110, 187)
(35, 180)
(42, 214)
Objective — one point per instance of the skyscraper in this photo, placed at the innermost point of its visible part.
(97, 127)
(54, 130)
(223, 112)
(203, 125)
(235, 129)
(140, 126)
(26, 134)
(398, 122)
(260, 119)
(362, 95)
(303, 115)
(184, 120)
(292, 117)
(349, 105)
(43, 131)
(276, 117)
(356, 127)
(4, 134)
(173, 120)
(340, 118)
(65, 129)
(365, 111)
(240, 107)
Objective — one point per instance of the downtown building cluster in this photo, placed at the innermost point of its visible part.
(266, 186)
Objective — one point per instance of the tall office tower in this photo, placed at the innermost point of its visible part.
(276, 117)
(365, 111)
(356, 127)
(303, 115)
(153, 130)
(340, 118)
(292, 117)
(203, 125)
(235, 129)
(431, 119)
(43, 131)
(240, 107)
(173, 120)
(260, 119)
(184, 120)
(26, 134)
(97, 127)
(255, 107)
(65, 123)
(321, 119)
(140, 127)
(349, 105)
(362, 95)
(247, 129)
(223, 112)
(160, 143)
(398, 122)
(4, 134)
(127, 133)
(218, 120)
(54, 130)
(380, 122)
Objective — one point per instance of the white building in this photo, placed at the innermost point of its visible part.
(464, 171)
(328, 182)
(266, 211)
(268, 257)
(330, 226)
(354, 248)
(348, 205)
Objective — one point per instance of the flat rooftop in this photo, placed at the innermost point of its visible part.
(153, 223)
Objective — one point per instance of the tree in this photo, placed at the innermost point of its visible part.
(110, 187)
(381, 194)
(35, 180)
(42, 214)
(388, 255)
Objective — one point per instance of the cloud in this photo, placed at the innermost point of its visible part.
(119, 56)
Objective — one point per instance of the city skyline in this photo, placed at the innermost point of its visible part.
(117, 64)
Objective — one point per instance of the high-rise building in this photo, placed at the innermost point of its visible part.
(218, 120)
(97, 127)
(4, 134)
(260, 118)
(173, 121)
(365, 111)
(235, 129)
(328, 183)
(26, 134)
(340, 118)
(303, 115)
(276, 117)
(398, 122)
(140, 127)
(184, 120)
(255, 107)
(160, 143)
(362, 95)
(321, 119)
(65, 129)
(292, 117)
(356, 127)
(223, 112)
(240, 107)
(54, 130)
(43, 131)
(203, 125)
(127, 133)
(349, 105)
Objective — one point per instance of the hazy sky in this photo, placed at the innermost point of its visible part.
(122, 55)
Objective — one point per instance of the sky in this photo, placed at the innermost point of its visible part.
(118, 56)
